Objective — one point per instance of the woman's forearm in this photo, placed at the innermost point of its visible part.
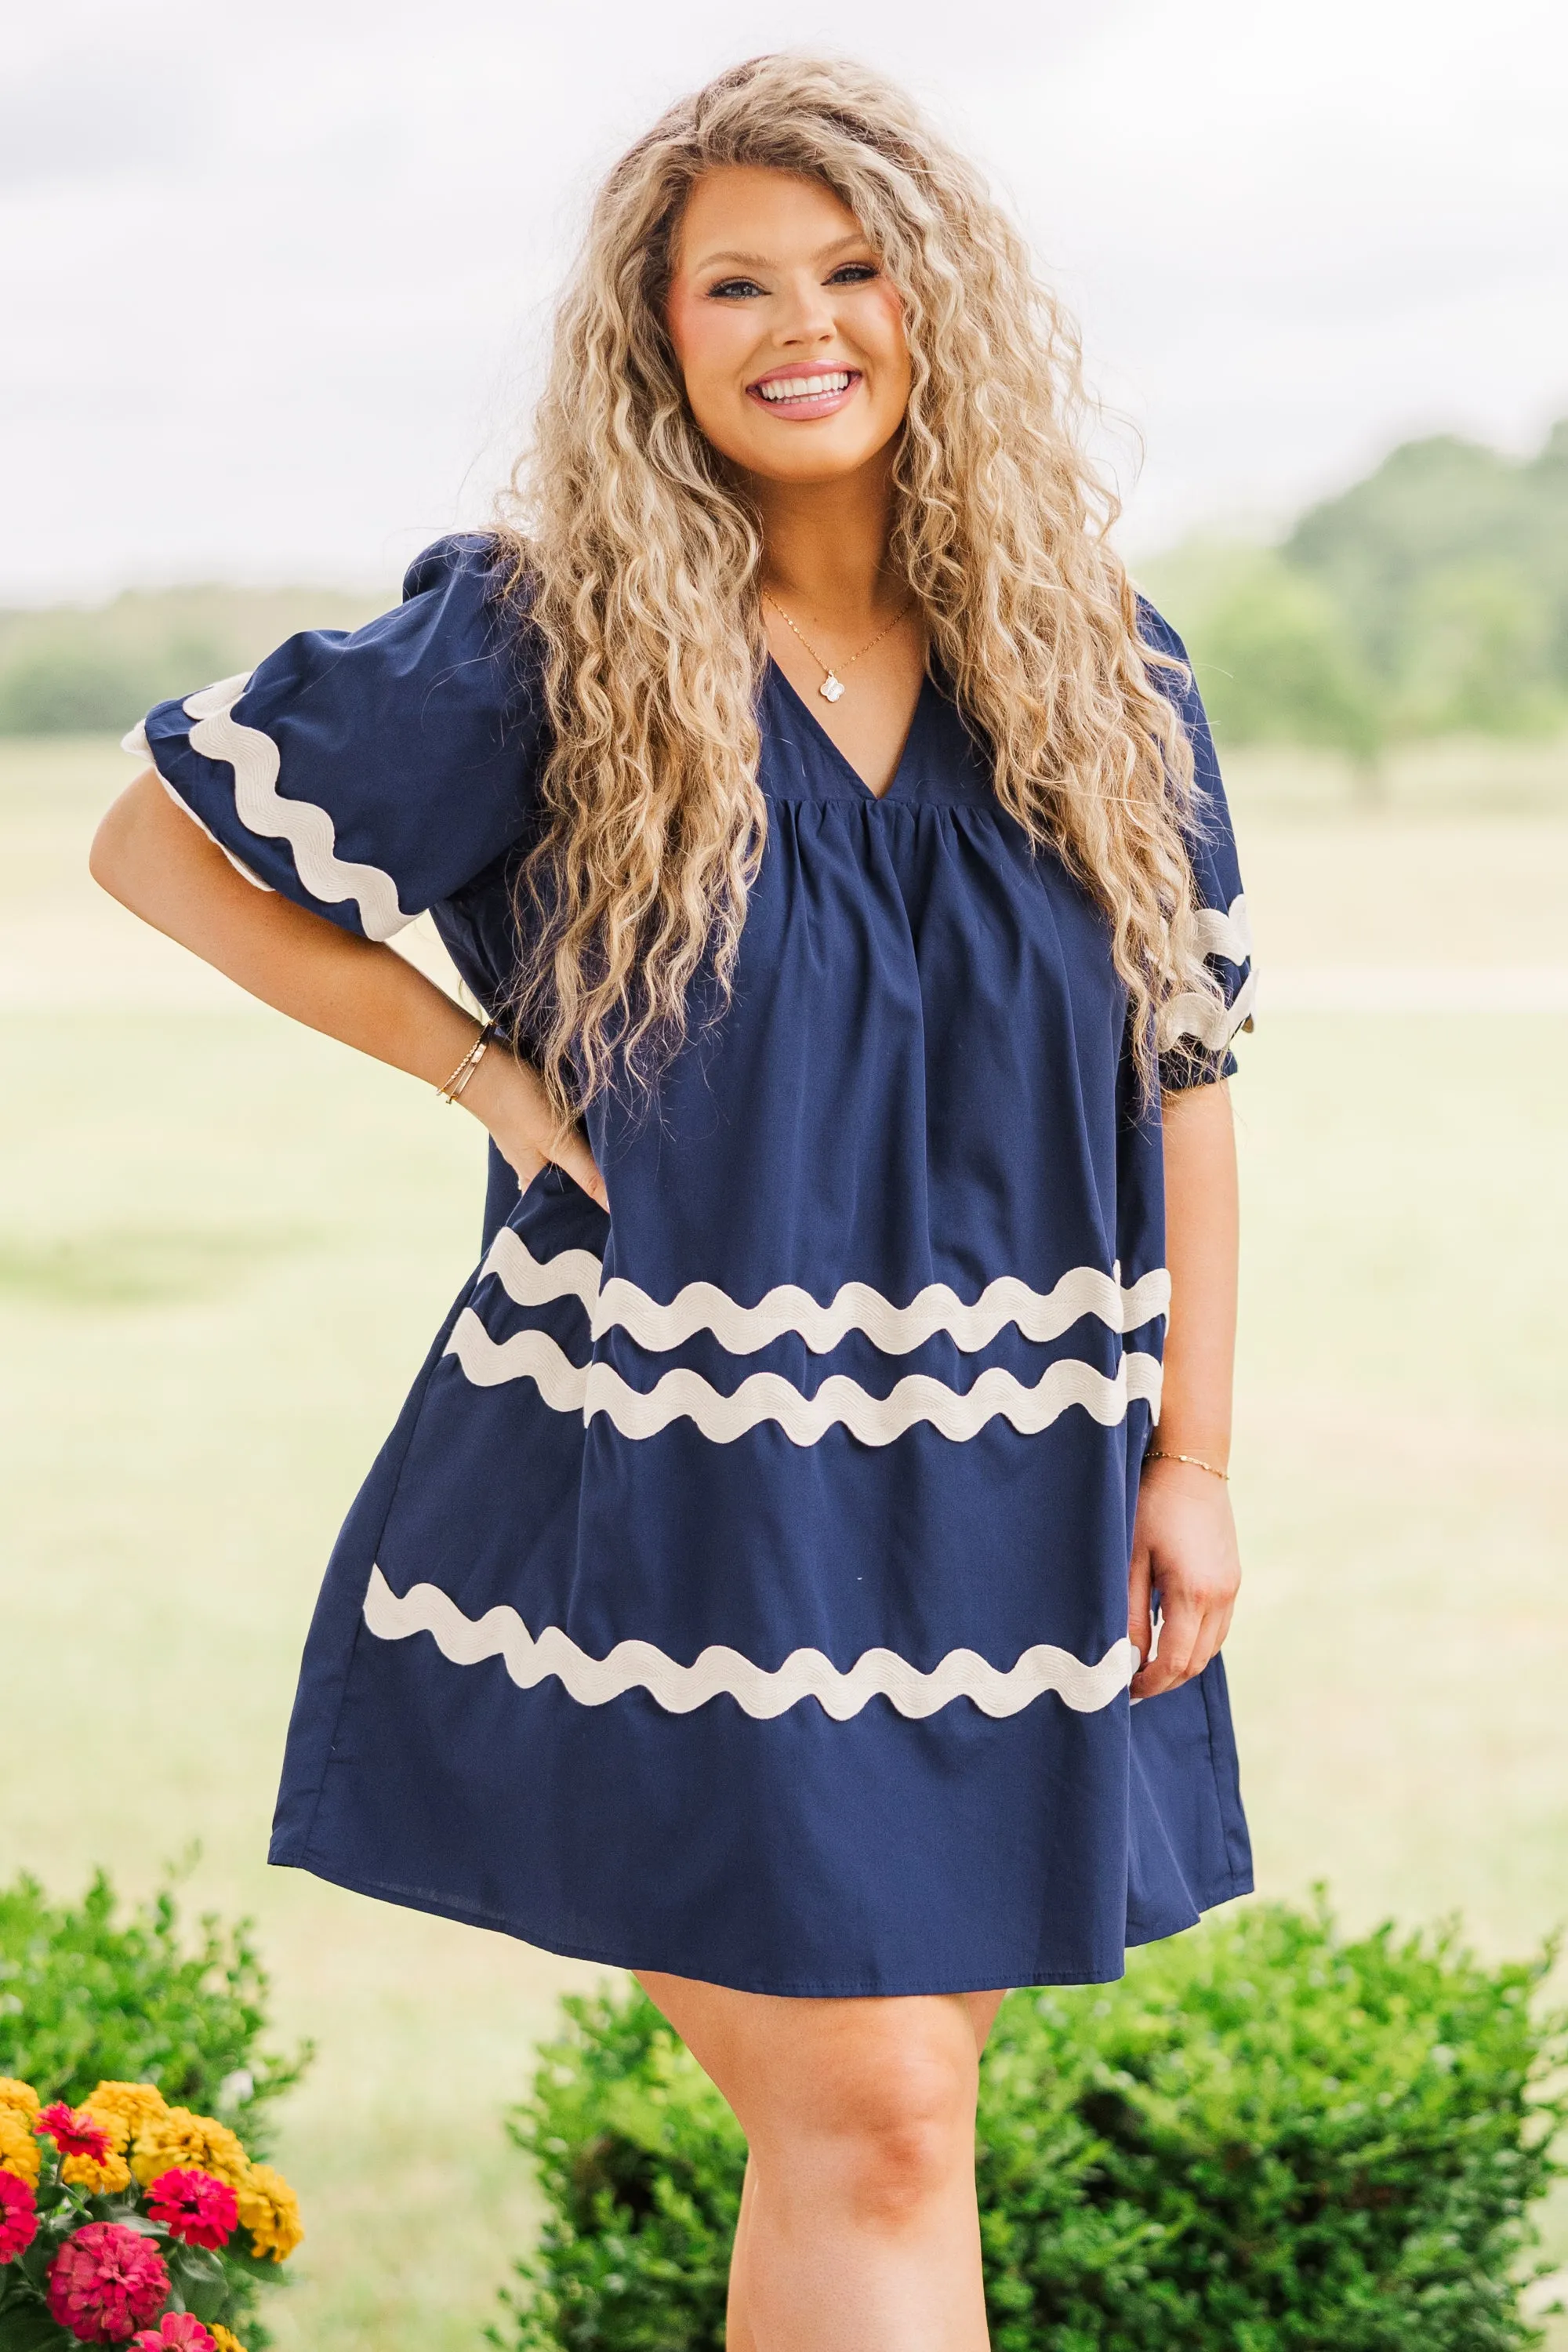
(154, 860)
(1201, 1248)
(1185, 1567)
(151, 856)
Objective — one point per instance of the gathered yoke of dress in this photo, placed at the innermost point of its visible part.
(742, 1590)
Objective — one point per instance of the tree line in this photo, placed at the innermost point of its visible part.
(1429, 599)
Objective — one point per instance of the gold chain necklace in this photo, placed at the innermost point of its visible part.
(833, 688)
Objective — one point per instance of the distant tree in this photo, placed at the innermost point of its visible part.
(1477, 657)
(1276, 663)
(69, 670)
(68, 690)
(1547, 482)
(1449, 564)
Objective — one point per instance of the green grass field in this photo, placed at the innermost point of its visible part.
(224, 1245)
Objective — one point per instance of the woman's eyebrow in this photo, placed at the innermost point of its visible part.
(763, 261)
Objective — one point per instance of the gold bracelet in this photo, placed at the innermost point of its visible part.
(1158, 1454)
(451, 1089)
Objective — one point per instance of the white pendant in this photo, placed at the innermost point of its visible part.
(831, 687)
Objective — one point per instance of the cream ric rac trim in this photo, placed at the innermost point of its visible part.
(307, 828)
(619, 1305)
(805, 1673)
(1190, 1014)
(1211, 1024)
(136, 743)
(839, 1402)
(1227, 934)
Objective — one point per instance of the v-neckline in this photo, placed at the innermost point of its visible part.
(842, 757)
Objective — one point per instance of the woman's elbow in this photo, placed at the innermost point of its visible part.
(119, 854)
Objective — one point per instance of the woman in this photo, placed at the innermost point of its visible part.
(753, 1590)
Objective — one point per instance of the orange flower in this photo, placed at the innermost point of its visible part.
(19, 2151)
(270, 2210)
(108, 2176)
(223, 2339)
(132, 2103)
(177, 2138)
(18, 2095)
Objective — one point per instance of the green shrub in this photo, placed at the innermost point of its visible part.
(1267, 2138)
(86, 1996)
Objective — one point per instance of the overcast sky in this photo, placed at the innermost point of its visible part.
(274, 274)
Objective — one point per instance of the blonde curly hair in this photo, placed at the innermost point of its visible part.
(638, 558)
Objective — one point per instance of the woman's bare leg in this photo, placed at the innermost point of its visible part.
(859, 2230)
(739, 2335)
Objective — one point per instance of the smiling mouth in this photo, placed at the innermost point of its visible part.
(815, 392)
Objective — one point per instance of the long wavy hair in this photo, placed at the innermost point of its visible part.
(638, 557)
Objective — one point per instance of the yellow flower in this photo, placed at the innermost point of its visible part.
(132, 2104)
(113, 2121)
(20, 2097)
(270, 2210)
(19, 2151)
(178, 2137)
(109, 2179)
(223, 2339)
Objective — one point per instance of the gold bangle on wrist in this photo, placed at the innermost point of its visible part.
(452, 1087)
(1158, 1454)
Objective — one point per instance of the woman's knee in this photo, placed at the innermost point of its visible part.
(885, 2121)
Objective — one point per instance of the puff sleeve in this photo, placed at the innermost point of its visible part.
(369, 774)
(1196, 1032)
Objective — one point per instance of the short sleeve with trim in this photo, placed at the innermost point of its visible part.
(1197, 1029)
(369, 774)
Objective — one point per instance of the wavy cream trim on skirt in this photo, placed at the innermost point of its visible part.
(805, 1673)
(839, 1402)
(856, 1307)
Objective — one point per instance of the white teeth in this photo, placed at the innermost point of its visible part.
(804, 387)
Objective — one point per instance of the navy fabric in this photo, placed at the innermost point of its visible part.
(639, 1440)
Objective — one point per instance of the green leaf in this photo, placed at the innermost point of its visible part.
(201, 2279)
(24, 2328)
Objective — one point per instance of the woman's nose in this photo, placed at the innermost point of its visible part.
(807, 316)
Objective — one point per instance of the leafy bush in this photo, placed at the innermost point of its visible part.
(1266, 2136)
(86, 1996)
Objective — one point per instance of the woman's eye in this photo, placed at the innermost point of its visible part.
(854, 273)
(729, 290)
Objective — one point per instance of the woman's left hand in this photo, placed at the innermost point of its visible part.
(1184, 1549)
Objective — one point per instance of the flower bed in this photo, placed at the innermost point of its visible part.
(128, 2221)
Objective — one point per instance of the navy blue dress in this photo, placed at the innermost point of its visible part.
(743, 1592)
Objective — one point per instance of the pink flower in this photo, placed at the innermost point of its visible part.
(179, 2328)
(18, 2216)
(105, 2282)
(74, 2133)
(194, 2207)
